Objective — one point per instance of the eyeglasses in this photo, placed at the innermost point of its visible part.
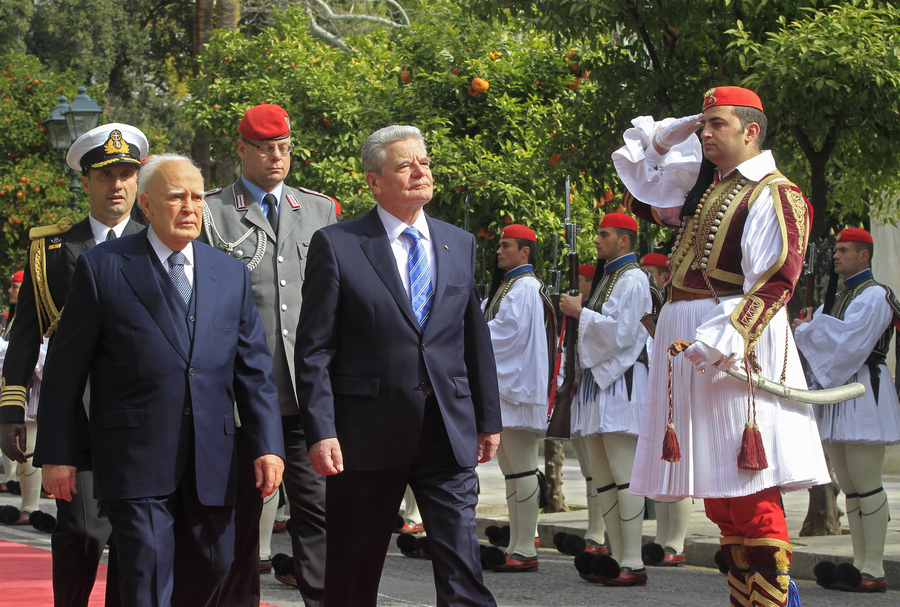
(267, 148)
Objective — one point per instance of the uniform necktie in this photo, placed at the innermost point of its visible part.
(271, 211)
(421, 292)
(111, 235)
(179, 278)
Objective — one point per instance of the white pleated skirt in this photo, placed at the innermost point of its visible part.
(710, 410)
(862, 420)
(517, 416)
(596, 411)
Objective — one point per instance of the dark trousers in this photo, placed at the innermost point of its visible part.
(306, 492)
(77, 544)
(362, 509)
(172, 549)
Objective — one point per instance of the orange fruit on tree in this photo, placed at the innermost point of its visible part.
(405, 76)
(554, 159)
(479, 85)
(608, 195)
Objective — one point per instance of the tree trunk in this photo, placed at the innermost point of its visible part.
(227, 13)
(823, 515)
(553, 462)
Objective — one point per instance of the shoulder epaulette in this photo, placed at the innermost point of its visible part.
(214, 191)
(60, 227)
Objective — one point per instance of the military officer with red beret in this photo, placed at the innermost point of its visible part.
(268, 225)
(849, 343)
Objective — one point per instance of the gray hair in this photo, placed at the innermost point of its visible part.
(152, 163)
(374, 152)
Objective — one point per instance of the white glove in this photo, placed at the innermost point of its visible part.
(677, 132)
(703, 356)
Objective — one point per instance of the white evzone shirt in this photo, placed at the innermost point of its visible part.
(710, 409)
(520, 351)
(609, 342)
(836, 351)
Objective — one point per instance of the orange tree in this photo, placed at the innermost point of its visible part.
(33, 186)
(488, 102)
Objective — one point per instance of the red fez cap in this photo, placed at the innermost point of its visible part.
(619, 220)
(854, 235)
(19, 276)
(516, 230)
(731, 95)
(266, 121)
(655, 259)
(587, 271)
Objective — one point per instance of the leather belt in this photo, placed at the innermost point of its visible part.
(677, 294)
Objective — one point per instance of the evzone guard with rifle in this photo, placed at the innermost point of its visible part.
(522, 322)
(850, 342)
(743, 229)
(611, 382)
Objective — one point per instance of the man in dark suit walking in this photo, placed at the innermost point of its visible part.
(396, 378)
(109, 158)
(169, 335)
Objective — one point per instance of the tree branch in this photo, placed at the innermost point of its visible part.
(318, 31)
(332, 15)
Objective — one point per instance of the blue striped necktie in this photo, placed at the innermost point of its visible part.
(421, 292)
(179, 278)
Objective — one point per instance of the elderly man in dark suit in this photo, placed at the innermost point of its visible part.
(396, 377)
(169, 335)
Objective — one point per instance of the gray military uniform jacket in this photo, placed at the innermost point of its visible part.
(234, 222)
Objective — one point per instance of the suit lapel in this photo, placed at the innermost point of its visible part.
(206, 292)
(80, 239)
(288, 216)
(378, 249)
(138, 269)
(254, 214)
(442, 261)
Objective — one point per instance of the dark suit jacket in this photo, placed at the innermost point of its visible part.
(148, 382)
(363, 365)
(25, 336)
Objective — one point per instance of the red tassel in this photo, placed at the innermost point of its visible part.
(671, 450)
(753, 453)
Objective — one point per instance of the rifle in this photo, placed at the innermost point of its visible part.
(555, 275)
(560, 414)
(809, 300)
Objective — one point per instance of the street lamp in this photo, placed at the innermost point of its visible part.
(66, 123)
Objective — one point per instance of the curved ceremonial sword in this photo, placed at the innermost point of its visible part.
(823, 396)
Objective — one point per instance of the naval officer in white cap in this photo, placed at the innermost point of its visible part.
(109, 158)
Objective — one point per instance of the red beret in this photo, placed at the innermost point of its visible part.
(854, 235)
(266, 121)
(518, 231)
(731, 95)
(19, 276)
(655, 259)
(587, 271)
(619, 220)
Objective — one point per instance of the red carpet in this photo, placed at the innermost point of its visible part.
(25, 577)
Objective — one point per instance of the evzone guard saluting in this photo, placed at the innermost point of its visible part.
(743, 229)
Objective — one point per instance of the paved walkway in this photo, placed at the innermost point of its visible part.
(702, 540)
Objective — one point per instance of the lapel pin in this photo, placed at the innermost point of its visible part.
(446, 247)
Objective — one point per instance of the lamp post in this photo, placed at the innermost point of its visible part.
(66, 123)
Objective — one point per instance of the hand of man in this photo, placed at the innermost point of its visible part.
(487, 446)
(268, 469)
(59, 480)
(571, 305)
(677, 132)
(805, 317)
(13, 438)
(326, 457)
(703, 356)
